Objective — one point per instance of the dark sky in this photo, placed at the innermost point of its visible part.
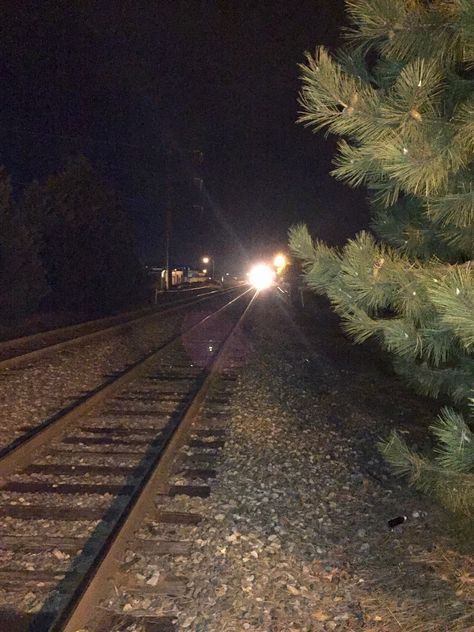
(121, 81)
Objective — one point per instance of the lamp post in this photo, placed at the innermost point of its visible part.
(208, 259)
(280, 261)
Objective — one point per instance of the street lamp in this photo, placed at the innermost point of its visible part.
(206, 260)
(280, 261)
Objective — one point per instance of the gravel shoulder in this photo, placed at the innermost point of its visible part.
(295, 536)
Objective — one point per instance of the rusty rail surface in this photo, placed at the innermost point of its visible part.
(80, 613)
(144, 462)
(74, 336)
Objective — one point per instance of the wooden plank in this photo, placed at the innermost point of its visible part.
(156, 393)
(13, 621)
(15, 576)
(210, 432)
(195, 459)
(120, 430)
(174, 586)
(163, 377)
(199, 443)
(162, 547)
(43, 512)
(111, 470)
(37, 581)
(104, 441)
(67, 488)
(87, 453)
(197, 473)
(176, 517)
(149, 624)
(161, 397)
(194, 491)
(218, 402)
(31, 544)
(134, 413)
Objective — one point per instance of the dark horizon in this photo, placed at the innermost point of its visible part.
(121, 83)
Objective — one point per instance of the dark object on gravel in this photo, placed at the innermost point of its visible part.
(394, 522)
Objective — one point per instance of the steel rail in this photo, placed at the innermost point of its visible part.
(9, 342)
(13, 361)
(51, 333)
(97, 583)
(19, 453)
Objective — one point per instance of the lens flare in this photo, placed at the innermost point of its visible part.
(261, 276)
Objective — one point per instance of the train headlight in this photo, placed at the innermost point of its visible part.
(261, 276)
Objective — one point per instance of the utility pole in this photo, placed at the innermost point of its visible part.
(170, 171)
(168, 201)
(168, 276)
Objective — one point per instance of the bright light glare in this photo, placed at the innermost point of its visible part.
(261, 276)
(279, 261)
(205, 259)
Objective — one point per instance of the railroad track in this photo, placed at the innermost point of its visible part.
(69, 514)
(16, 351)
(64, 377)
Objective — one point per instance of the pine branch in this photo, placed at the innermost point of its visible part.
(453, 295)
(438, 344)
(460, 242)
(406, 30)
(465, 24)
(454, 381)
(464, 122)
(353, 63)
(301, 243)
(422, 160)
(406, 227)
(356, 322)
(357, 165)
(456, 442)
(456, 208)
(335, 99)
(414, 98)
(454, 489)
(375, 21)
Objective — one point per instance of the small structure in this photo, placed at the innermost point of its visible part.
(179, 277)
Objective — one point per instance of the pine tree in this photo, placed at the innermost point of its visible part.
(400, 95)
(22, 278)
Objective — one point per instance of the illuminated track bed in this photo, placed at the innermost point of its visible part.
(16, 351)
(35, 392)
(55, 514)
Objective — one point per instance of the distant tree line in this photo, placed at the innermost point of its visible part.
(65, 244)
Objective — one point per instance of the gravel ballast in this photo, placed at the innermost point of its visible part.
(35, 391)
(295, 535)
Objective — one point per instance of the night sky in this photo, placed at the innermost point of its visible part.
(136, 86)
